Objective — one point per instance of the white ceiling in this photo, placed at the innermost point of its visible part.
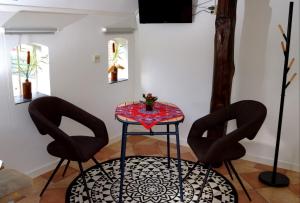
(98, 6)
(26, 19)
(4, 16)
(59, 13)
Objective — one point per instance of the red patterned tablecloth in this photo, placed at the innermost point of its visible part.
(137, 112)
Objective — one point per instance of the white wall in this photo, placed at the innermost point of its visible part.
(74, 77)
(175, 63)
(259, 76)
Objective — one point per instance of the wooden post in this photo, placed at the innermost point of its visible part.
(223, 59)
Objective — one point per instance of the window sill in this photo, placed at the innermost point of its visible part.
(21, 100)
(119, 80)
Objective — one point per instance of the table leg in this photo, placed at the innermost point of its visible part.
(179, 162)
(168, 145)
(122, 160)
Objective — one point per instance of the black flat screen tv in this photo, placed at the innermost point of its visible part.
(165, 11)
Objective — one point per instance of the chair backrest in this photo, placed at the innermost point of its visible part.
(47, 112)
(248, 114)
(48, 109)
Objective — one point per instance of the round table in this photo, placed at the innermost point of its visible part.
(134, 113)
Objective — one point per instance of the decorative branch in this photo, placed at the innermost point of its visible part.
(282, 32)
(291, 63)
(292, 78)
(283, 46)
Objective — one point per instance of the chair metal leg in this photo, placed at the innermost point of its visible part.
(240, 181)
(122, 160)
(168, 145)
(99, 164)
(204, 183)
(51, 177)
(228, 169)
(84, 181)
(190, 170)
(66, 167)
(179, 162)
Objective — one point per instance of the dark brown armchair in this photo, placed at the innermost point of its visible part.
(249, 116)
(47, 112)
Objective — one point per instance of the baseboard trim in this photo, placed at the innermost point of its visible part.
(269, 161)
(43, 169)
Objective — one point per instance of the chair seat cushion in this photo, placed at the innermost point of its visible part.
(87, 146)
(200, 147)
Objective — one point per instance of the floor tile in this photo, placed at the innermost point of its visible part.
(222, 170)
(148, 150)
(54, 196)
(30, 199)
(252, 179)
(145, 145)
(65, 182)
(136, 139)
(188, 156)
(278, 195)
(58, 176)
(105, 153)
(263, 167)
(236, 183)
(244, 168)
(37, 185)
(255, 197)
(295, 188)
(293, 176)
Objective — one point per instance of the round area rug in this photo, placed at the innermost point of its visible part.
(149, 180)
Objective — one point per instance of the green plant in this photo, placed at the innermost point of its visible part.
(27, 66)
(149, 99)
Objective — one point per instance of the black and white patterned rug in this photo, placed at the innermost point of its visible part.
(149, 180)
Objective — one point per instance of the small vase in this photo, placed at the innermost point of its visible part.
(27, 89)
(114, 75)
(149, 107)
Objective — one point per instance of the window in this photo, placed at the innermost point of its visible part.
(31, 62)
(117, 60)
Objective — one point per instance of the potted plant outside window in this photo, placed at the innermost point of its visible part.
(113, 69)
(26, 68)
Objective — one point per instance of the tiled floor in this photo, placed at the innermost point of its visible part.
(146, 146)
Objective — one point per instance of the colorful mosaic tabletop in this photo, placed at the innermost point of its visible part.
(137, 112)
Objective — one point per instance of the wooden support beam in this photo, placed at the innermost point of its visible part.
(223, 59)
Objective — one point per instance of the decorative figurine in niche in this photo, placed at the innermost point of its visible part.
(149, 101)
(113, 69)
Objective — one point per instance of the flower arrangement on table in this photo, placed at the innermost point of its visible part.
(113, 69)
(149, 101)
